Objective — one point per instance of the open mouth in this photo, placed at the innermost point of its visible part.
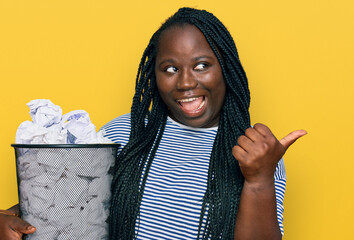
(192, 104)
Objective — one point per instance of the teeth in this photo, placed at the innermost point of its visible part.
(201, 105)
(188, 99)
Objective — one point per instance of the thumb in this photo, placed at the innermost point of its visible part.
(28, 229)
(291, 138)
(22, 226)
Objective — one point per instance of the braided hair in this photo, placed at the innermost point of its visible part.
(148, 120)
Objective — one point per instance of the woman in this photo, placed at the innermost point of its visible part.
(191, 166)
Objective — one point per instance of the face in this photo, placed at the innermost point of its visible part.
(189, 77)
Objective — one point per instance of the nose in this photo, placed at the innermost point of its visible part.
(186, 80)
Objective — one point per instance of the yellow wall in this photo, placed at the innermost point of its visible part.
(297, 54)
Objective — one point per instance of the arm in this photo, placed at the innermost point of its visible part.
(257, 216)
(11, 226)
(258, 153)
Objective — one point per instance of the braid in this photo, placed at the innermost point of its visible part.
(148, 120)
(135, 159)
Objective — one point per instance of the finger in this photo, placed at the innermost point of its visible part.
(8, 212)
(263, 129)
(291, 138)
(244, 142)
(22, 226)
(11, 236)
(29, 229)
(15, 209)
(253, 134)
(238, 152)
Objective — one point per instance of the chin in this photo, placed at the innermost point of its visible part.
(199, 123)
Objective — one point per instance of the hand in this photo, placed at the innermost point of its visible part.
(13, 227)
(258, 153)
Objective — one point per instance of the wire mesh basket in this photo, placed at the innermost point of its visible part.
(65, 189)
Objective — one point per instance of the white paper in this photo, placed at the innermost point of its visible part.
(44, 112)
(68, 196)
(65, 193)
(48, 126)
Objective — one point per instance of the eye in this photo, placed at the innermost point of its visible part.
(171, 69)
(200, 66)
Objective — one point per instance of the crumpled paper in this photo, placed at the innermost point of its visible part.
(64, 192)
(79, 127)
(60, 200)
(44, 113)
(48, 126)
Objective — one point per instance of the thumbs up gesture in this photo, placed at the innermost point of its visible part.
(258, 152)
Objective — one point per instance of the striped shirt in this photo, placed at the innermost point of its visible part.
(177, 180)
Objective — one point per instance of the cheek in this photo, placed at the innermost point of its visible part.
(163, 88)
(216, 82)
(159, 82)
(219, 92)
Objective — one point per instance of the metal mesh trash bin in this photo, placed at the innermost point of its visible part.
(65, 189)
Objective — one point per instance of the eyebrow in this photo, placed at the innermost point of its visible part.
(195, 59)
(201, 57)
(166, 61)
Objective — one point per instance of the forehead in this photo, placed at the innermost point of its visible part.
(186, 39)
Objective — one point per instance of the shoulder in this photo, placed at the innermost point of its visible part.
(123, 119)
(118, 129)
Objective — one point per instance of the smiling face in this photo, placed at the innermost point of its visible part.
(189, 77)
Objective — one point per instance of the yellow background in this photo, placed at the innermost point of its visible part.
(297, 54)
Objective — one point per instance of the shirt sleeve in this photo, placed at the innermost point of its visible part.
(280, 183)
(118, 130)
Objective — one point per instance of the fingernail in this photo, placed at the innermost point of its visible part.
(30, 227)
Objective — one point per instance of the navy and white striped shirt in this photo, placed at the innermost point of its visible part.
(177, 180)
